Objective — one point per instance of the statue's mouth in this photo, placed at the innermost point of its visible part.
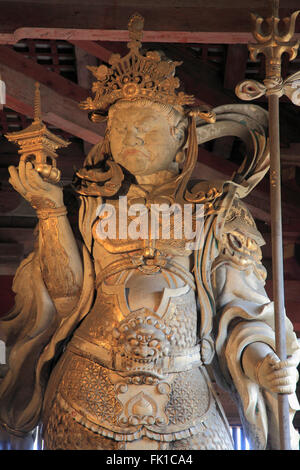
(134, 152)
(134, 358)
(143, 361)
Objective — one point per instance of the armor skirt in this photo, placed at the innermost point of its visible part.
(91, 407)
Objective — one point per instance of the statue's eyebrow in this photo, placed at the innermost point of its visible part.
(147, 120)
(117, 120)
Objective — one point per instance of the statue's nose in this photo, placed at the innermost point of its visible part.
(132, 138)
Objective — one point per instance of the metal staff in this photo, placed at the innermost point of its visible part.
(273, 44)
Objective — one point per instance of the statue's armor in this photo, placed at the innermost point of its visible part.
(131, 376)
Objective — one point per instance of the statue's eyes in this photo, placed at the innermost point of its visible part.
(119, 127)
(147, 128)
(143, 129)
(139, 128)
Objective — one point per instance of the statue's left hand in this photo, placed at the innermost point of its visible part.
(277, 376)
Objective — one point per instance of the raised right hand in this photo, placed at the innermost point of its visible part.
(29, 184)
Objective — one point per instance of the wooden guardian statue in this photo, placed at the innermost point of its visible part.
(114, 338)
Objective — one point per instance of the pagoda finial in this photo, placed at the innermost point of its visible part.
(37, 144)
(37, 103)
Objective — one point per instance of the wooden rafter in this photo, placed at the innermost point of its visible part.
(167, 20)
(236, 64)
(58, 110)
(94, 49)
(32, 69)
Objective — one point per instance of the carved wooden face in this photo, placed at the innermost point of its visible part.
(142, 140)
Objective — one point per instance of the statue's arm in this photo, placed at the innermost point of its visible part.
(245, 333)
(239, 280)
(59, 257)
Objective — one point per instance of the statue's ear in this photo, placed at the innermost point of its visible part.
(180, 157)
(179, 131)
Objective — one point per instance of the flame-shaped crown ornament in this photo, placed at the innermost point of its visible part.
(150, 76)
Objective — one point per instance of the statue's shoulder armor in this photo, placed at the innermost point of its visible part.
(239, 219)
(241, 241)
(197, 186)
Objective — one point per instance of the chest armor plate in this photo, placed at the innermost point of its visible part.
(141, 224)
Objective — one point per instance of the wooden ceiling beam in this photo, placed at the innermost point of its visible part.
(192, 21)
(198, 77)
(94, 49)
(235, 66)
(183, 37)
(60, 111)
(30, 68)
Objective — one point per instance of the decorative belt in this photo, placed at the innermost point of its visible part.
(112, 359)
(148, 266)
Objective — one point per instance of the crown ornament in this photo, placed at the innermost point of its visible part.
(134, 76)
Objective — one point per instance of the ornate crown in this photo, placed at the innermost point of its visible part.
(135, 76)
